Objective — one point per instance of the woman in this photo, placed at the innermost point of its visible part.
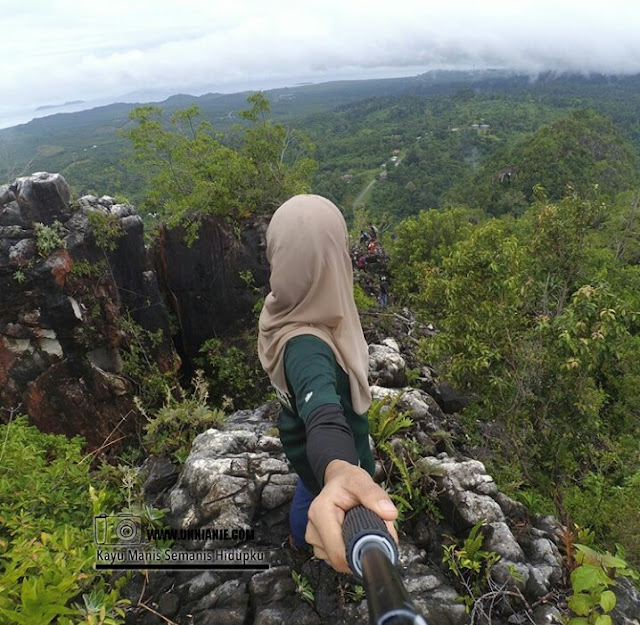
(311, 345)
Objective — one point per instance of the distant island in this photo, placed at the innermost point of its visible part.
(58, 106)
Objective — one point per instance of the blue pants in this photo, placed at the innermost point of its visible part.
(299, 513)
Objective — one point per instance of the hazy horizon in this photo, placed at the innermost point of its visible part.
(54, 52)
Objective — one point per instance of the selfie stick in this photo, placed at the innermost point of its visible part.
(372, 555)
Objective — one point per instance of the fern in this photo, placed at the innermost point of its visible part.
(399, 463)
(385, 420)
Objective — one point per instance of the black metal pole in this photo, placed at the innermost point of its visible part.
(373, 555)
(387, 598)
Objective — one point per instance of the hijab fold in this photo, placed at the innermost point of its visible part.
(312, 292)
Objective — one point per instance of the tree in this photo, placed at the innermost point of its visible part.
(190, 172)
(537, 321)
(278, 155)
(420, 244)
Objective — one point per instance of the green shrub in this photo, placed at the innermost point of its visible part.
(538, 323)
(49, 238)
(591, 581)
(140, 365)
(107, 229)
(47, 553)
(172, 429)
(233, 374)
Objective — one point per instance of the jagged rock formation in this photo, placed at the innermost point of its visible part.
(238, 478)
(61, 334)
(213, 284)
(63, 301)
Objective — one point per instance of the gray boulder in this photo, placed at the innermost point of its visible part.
(228, 479)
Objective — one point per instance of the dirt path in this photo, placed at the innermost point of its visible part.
(358, 200)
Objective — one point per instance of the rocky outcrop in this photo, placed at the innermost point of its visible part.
(398, 357)
(238, 478)
(73, 287)
(232, 478)
(213, 283)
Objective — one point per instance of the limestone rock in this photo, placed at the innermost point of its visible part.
(228, 479)
(205, 279)
(232, 477)
(422, 408)
(43, 197)
(387, 367)
(61, 312)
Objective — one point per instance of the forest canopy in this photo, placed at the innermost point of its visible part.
(190, 173)
(539, 323)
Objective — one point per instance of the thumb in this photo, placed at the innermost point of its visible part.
(377, 500)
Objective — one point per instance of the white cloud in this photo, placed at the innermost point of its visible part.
(58, 50)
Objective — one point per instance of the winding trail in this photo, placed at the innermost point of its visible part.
(358, 200)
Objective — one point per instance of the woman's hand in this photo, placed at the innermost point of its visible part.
(345, 486)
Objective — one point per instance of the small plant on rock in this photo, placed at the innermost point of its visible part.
(470, 564)
(385, 419)
(19, 276)
(49, 238)
(107, 229)
(184, 415)
(356, 593)
(303, 587)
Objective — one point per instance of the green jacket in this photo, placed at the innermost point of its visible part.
(314, 379)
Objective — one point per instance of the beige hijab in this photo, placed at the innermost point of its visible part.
(312, 292)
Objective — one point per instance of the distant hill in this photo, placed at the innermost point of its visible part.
(399, 154)
(85, 146)
(582, 149)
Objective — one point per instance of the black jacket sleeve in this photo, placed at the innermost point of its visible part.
(329, 437)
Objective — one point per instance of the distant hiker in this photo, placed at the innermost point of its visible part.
(383, 294)
(373, 231)
(364, 237)
(311, 344)
(372, 247)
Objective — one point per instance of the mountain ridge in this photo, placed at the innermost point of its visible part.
(87, 148)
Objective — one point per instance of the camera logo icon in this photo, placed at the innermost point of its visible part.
(117, 529)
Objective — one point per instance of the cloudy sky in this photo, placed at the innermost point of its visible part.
(55, 51)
